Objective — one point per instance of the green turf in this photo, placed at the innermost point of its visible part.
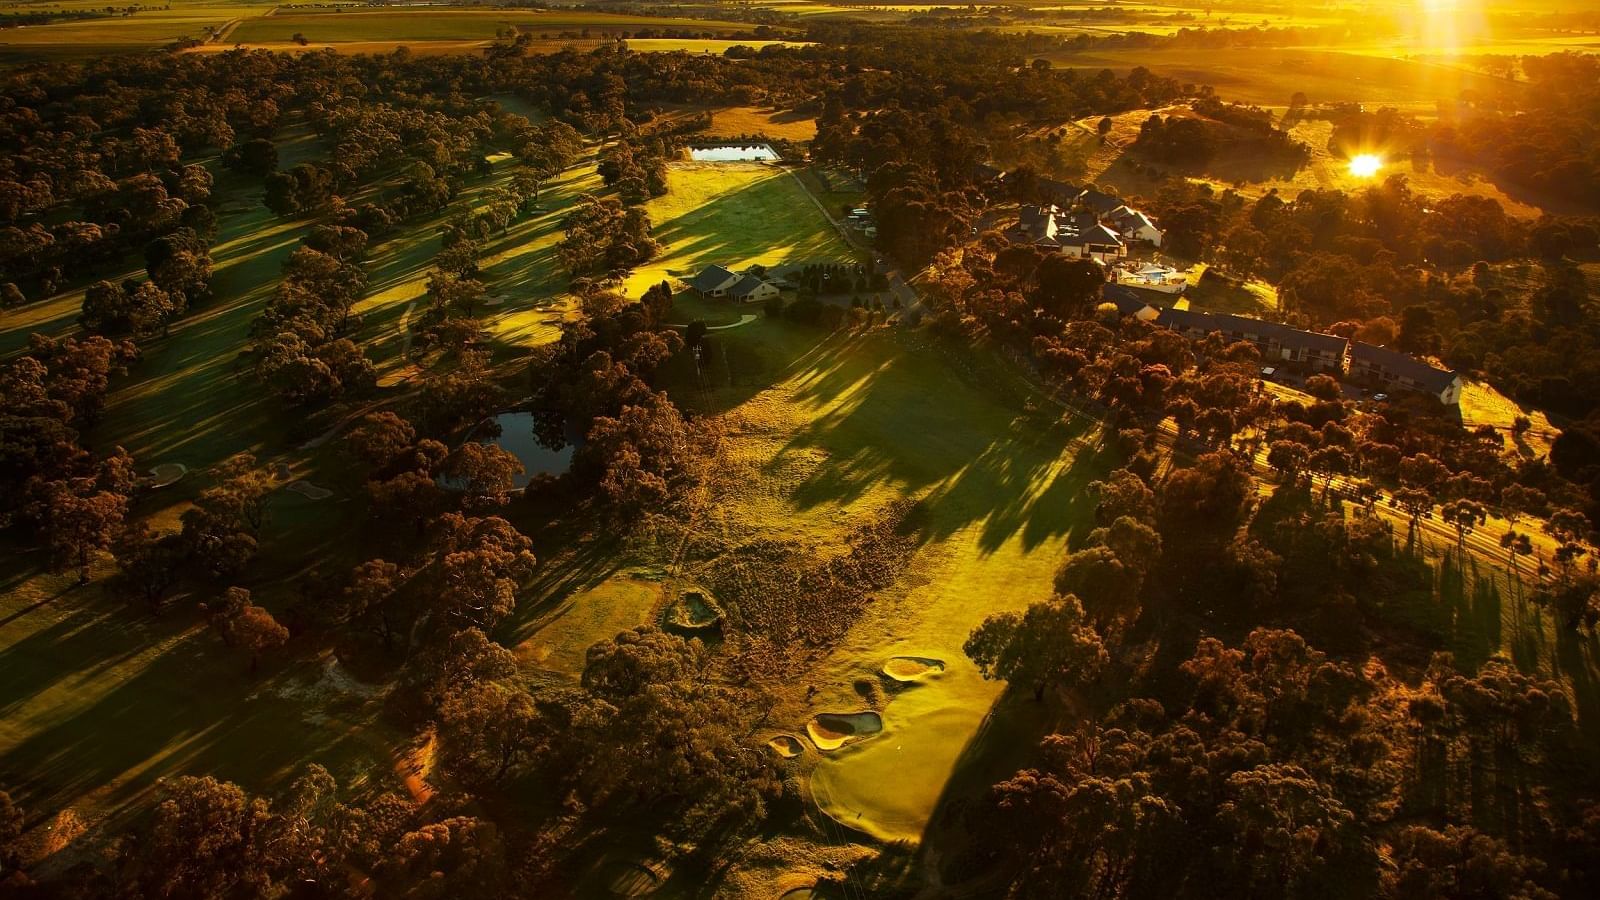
(736, 215)
(823, 432)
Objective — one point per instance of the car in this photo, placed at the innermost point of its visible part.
(1379, 398)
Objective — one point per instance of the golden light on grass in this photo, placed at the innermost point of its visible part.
(1365, 165)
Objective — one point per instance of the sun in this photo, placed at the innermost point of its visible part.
(1365, 165)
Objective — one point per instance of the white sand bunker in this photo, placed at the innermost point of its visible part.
(167, 474)
(787, 746)
(309, 491)
(830, 731)
(912, 668)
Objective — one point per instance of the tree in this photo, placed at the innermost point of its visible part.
(381, 439)
(481, 564)
(487, 731)
(79, 525)
(1459, 862)
(458, 857)
(370, 597)
(484, 474)
(243, 625)
(1048, 644)
(203, 840)
(11, 822)
(1282, 832)
(148, 563)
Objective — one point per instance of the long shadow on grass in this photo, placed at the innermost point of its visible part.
(191, 708)
(766, 217)
(906, 418)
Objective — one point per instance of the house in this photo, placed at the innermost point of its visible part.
(1057, 192)
(1134, 225)
(1130, 302)
(1078, 235)
(752, 289)
(1391, 370)
(713, 281)
(1098, 202)
(1277, 342)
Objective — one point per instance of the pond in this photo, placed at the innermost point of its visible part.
(516, 435)
(733, 153)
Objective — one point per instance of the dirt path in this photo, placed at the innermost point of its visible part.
(744, 319)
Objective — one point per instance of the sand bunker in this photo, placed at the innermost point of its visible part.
(167, 474)
(912, 668)
(830, 731)
(309, 491)
(787, 746)
(693, 612)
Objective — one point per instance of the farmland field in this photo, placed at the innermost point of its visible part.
(452, 25)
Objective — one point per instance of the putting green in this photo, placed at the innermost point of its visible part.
(889, 786)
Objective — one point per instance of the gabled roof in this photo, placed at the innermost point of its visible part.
(1129, 301)
(1402, 365)
(746, 286)
(1099, 234)
(1193, 319)
(1129, 219)
(1098, 201)
(712, 278)
(1058, 191)
(1034, 218)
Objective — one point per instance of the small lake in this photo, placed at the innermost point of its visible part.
(733, 153)
(516, 435)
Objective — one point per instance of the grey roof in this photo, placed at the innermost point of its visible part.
(1099, 234)
(1402, 365)
(1129, 300)
(1033, 219)
(747, 286)
(1193, 319)
(1098, 201)
(710, 279)
(1058, 191)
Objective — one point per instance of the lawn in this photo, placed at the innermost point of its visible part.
(825, 431)
(519, 268)
(98, 702)
(736, 215)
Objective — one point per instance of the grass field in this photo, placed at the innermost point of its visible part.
(823, 432)
(737, 215)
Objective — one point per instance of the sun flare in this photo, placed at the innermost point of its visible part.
(1365, 165)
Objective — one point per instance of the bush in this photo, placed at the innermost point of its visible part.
(773, 307)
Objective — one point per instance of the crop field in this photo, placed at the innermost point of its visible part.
(1109, 165)
(452, 25)
(1270, 77)
(736, 215)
